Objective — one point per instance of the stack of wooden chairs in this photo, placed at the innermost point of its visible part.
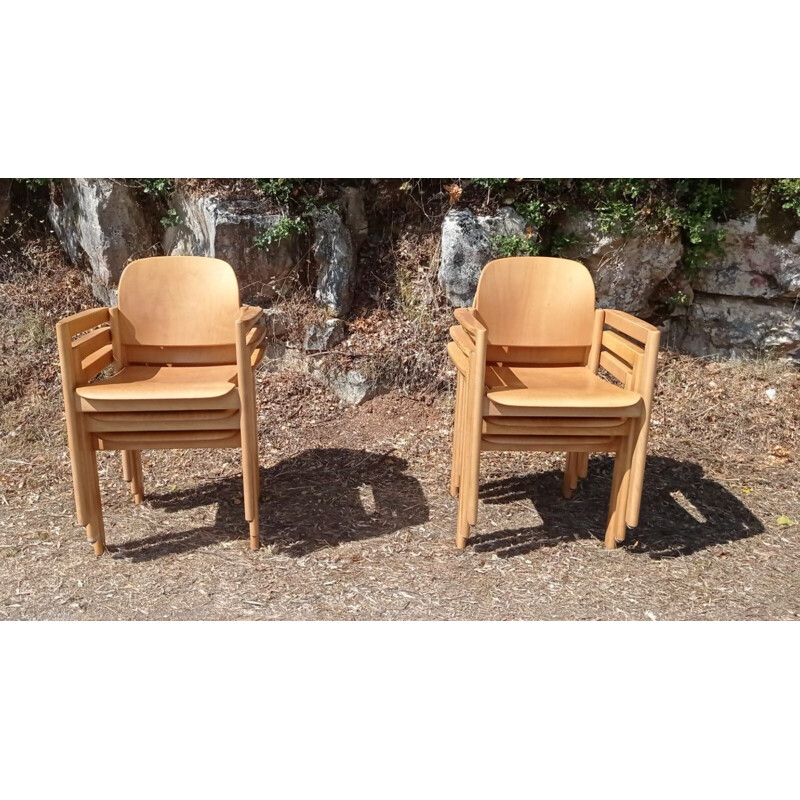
(527, 356)
(183, 354)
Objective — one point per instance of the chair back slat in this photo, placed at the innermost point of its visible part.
(618, 368)
(622, 348)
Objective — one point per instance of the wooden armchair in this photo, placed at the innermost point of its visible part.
(184, 355)
(527, 356)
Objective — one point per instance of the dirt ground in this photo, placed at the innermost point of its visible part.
(357, 522)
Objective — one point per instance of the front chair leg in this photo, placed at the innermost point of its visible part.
(467, 480)
(462, 526)
(620, 483)
(127, 471)
(455, 469)
(250, 485)
(95, 529)
(137, 479)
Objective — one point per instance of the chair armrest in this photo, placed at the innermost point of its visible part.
(470, 321)
(462, 339)
(83, 321)
(251, 330)
(249, 316)
(459, 359)
(87, 356)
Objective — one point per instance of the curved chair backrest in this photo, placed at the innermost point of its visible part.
(537, 310)
(178, 310)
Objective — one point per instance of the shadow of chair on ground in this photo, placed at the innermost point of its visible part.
(316, 499)
(682, 511)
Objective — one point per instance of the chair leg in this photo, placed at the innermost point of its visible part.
(583, 465)
(137, 479)
(473, 466)
(573, 471)
(625, 484)
(638, 457)
(570, 481)
(566, 489)
(95, 529)
(127, 472)
(255, 536)
(79, 450)
(462, 526)
(256, 465)
(250, 485)
(620, 484)
(455, 469)
(467, 481)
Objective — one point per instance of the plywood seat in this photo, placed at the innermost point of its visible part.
(160, 388)
(555, 391)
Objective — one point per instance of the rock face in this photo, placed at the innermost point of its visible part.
(324, 335)
(352, 386)
(355, 216)
(99, 221)
(626, 269)
(752, 264)
(467, 248)
(227, 229)
(275, 323)
(733, 327)
(335, 257)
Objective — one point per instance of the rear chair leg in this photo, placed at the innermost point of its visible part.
(570, 481)
(132, 473)
(137, 482)
(127, 472)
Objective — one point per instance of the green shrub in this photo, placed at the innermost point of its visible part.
(279, 189)
(788, 190)
(171, 218)
(282, 229)
(490, 183)
(508, 246)
(160, 188)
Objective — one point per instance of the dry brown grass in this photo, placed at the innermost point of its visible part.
(37, 288)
